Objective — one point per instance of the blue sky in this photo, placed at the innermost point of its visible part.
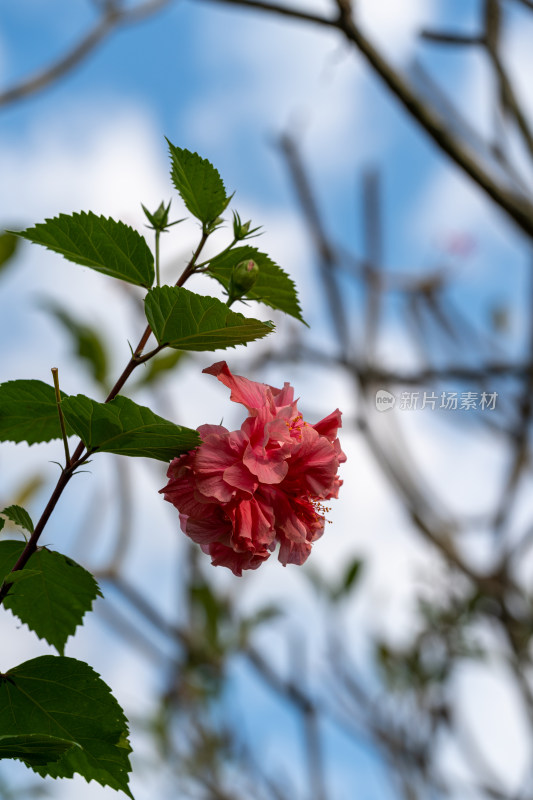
(226, 83)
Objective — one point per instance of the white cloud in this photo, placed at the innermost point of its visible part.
(106, 157)
(394, 24)
(302, 79)
(497, 729)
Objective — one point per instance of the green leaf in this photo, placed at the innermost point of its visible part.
(188, 321)
(99, 243)
(19, 516)
(88, 344)
(213, 610)
(352, 574)
(8, 247)
(199, 184)
(349, 579)
(28, 412)
(20, 575)
(272, 287)
(34, 749)
(123, 427)
(66, 699)
(52, 602)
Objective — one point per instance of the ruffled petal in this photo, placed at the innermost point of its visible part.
(181, 490)
(222, 556)
(293, 552)
(313, 465)
(269, 466)
(239, 476)
(283, 397)
(209, 529)
(253, 524)
(251, 394)
(213, 462)
(207, 430)
(329, 426)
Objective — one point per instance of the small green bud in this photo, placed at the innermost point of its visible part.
(240, 229)
(210, 227)
(158, 218)
(243, 277)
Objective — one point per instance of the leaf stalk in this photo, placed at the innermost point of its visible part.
(55, 375)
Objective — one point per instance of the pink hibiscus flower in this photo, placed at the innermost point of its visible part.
(241, 492)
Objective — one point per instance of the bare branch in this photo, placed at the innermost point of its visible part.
(326, 253)
(460, 39)
(112, 18)
(517, 207)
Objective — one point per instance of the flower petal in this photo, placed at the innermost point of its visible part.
(329, 426)
(209, 529)
(206, 430)
(313, 465)
(213, 462)
(222, 556)
(251, 394)
(292, 552)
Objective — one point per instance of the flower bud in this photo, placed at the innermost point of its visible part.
(240, 229)
(158, 218)
(243, 277)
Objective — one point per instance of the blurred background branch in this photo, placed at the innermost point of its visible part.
(395, 696)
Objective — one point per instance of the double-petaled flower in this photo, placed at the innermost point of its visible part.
(240, 492)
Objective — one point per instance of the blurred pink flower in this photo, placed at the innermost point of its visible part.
(242, 491)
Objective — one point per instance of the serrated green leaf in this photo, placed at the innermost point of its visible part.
(34, 749)
(65, 698)
(272, 287)
(19, 516)
(54, 600)
(28, 412)
(88, 344)
(10, 550)
(8, 247)
(188, 321)
(199, 184)
(19, 575)
(99, 243)
(123, 427)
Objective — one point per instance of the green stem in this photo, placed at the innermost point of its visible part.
(191, 267)
(157, 278)
(222, 252)
(31, 546)
(55, 375)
